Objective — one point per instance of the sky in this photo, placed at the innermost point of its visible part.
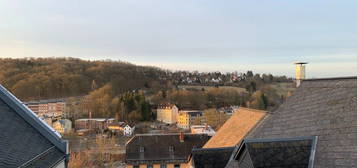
(265, 36)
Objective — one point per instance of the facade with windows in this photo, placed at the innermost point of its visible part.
(162, 150)
(167, 113)
(47, 108)
(187, 118)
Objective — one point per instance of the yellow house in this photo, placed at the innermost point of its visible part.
(162, 150)
(167, 113)
(187, 118)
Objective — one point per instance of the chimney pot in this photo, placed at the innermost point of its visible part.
(300, 72)
(182, 137)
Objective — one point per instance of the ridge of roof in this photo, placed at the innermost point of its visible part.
(31, 118)
(252, 110)
(213, 149)
(331, 78)
(170, 134)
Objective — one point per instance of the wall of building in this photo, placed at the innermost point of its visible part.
(170, 165)
(167, 115)
(183, 120)
(48, 109)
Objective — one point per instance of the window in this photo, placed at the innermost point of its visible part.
(149, 166)
(177, 166)
(163, 166)
(141, 149)
(283, 152)
(171, 148)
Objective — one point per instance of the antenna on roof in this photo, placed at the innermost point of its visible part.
(300, 74)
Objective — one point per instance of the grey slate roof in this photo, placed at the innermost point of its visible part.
(211, 157)
(156, 148)
(272, 153)
(326, 108)
(25, 141)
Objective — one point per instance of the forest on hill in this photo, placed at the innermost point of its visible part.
(44, 78)
(130, 92)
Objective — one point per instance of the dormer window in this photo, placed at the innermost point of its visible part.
(171, 148)
(284, 152)
(142, 149)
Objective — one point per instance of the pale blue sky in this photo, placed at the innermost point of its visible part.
(206, 35)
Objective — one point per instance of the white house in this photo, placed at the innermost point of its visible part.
(128, 130)
(202, 129)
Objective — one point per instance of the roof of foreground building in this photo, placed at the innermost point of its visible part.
(162, 148)
(321, 108)
(236, 128)
(211, 157)
(25, 140)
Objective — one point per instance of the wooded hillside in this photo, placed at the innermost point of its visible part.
(43, 78)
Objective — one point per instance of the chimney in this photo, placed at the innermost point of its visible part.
(182, 137)
(300, 72)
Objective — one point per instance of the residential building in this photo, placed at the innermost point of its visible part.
(43, 110)
(162, 150)
(47, 108)
(34, 106)
(228, 110)
(51, 109)
(25, 140)
(167, 113)
(128, 130)
(122, 127)
(47, 120)
(93, 123)
(236, 128)
(202, 129)
(319, 121)
(187, 118)
(62, 126)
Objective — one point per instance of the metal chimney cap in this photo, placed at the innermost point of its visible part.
(300, 63)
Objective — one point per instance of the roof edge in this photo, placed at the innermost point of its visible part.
(213, 149)
(32, 119)
(170, 134)
(239, 147)
(332, 78)
(251, 109)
